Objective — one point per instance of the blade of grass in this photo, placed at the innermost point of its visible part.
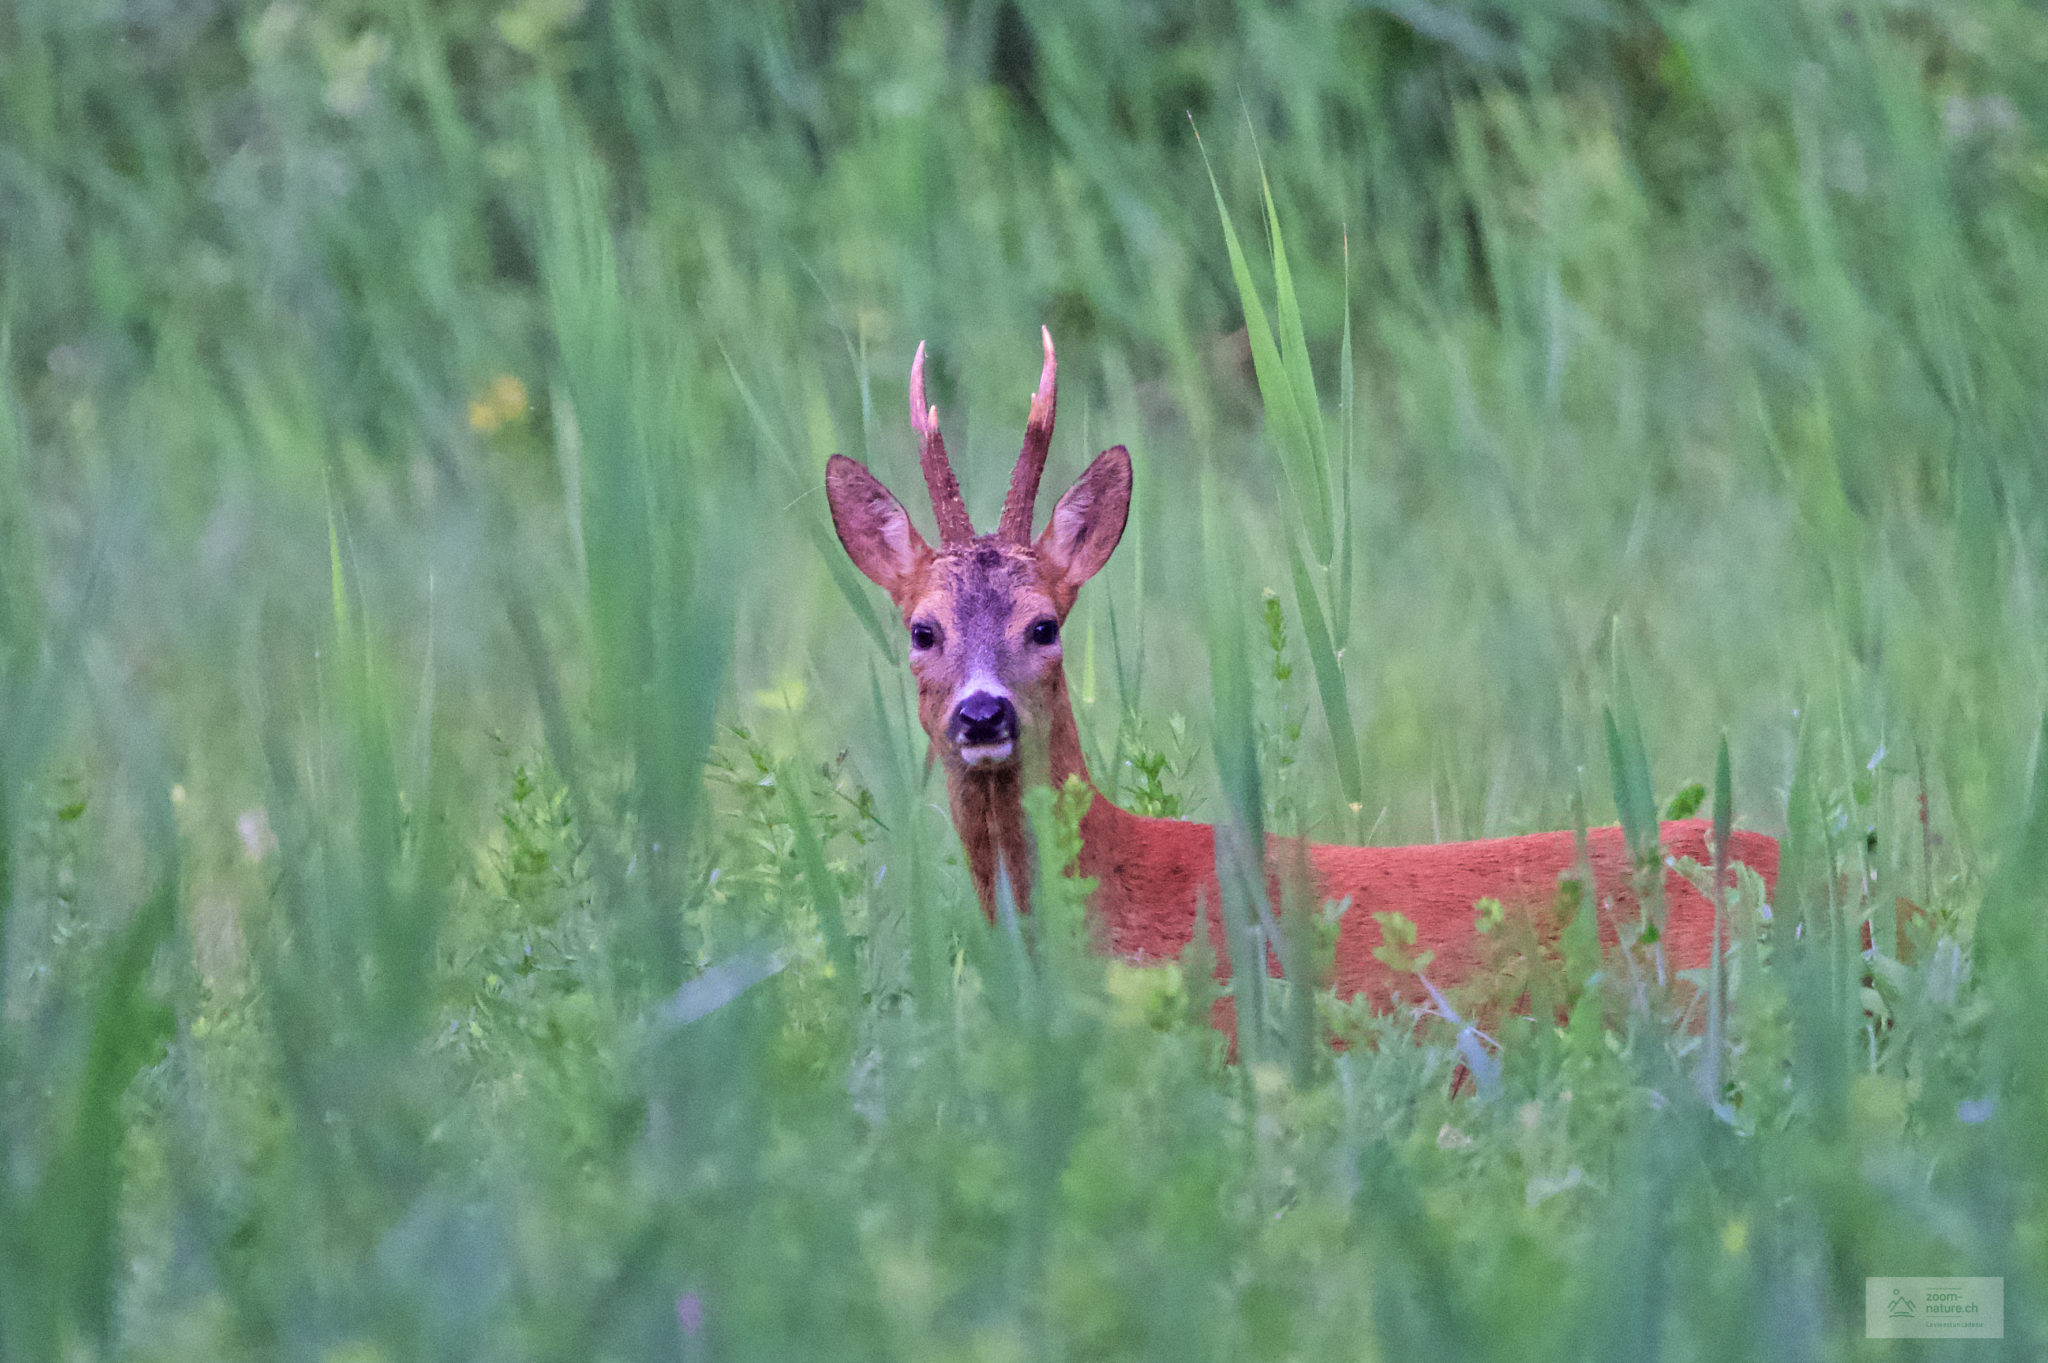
(1634, 797)
(1807, 949)
(1347, 401)
(1329, 677)
(1276, 392)
(1287, 389)
(659, 619)
(852, 586)
(810, 858)
(1628, 764)
(1717, 997)
(79, 1199)
(1241, 838)
(2009, 950)
(1300, 379)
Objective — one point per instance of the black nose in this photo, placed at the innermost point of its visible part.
(983, 718)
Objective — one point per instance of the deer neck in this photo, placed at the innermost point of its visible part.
(988, 806)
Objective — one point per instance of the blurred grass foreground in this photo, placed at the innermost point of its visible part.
(469, 885)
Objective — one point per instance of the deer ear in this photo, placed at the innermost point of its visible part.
(1088, 522)
(873, 526)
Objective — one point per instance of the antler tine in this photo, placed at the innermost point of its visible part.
(947, 504)
(1023, 495)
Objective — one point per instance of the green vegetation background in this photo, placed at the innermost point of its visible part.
(469, 887)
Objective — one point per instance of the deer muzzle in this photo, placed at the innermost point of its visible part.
(984, 728)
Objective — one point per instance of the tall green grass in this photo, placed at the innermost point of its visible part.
(470, 885)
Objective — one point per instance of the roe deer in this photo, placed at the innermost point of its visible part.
(983, 613)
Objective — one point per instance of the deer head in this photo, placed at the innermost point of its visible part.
(982, 613)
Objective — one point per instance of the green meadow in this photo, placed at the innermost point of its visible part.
(470, 882)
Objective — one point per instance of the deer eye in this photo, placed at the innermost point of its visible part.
(923, 635)
(1045, 633)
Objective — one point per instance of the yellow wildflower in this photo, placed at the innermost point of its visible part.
(503, 399)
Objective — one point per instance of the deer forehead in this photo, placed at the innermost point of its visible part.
(984, 591)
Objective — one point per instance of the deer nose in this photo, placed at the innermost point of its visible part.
(984, 720)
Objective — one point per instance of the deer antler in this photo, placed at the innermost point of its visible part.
(947, 504)
(1023, 494)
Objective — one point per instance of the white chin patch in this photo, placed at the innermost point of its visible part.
(985, 754)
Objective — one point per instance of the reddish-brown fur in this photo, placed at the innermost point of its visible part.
(977, 599)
